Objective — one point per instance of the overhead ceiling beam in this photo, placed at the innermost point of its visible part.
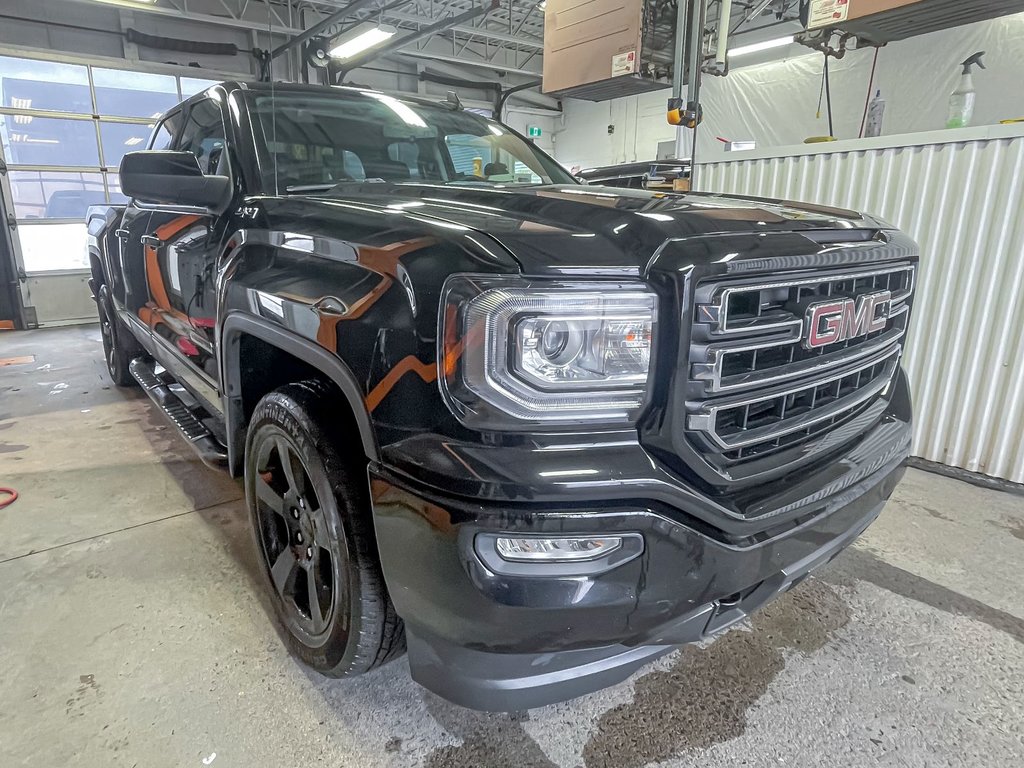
(524, 41)
(204, 18)
(475, 64)
(427, 31)
(533, 98)
(328, 21)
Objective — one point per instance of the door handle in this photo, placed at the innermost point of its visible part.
(152, 241)
(122, 234)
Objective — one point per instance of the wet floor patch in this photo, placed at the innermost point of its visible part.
(489, 740)
(1015, 527)
(704, 697)
(930, 511)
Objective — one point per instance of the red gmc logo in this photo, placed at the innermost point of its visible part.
(835, 320)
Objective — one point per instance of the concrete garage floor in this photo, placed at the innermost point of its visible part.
(134, 632)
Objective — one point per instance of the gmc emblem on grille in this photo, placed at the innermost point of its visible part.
(835, 320)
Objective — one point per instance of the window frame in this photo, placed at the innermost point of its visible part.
(187, 110)
(176, 112)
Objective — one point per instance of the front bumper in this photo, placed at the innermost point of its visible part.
(495, 642)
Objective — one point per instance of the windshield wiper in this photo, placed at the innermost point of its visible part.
(300, 188)
(331, 185)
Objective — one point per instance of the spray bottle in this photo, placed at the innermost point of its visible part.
(961, 101)
(876, 109)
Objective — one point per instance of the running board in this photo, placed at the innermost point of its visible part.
(160, 391)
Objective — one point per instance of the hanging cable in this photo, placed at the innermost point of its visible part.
(867, 99)
(828, 99)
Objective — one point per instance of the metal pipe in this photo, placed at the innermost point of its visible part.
(682, 10)
(695, 49)
(724, 17)
(427, 31)
(698, 10)
(354, 7)
(755, 11)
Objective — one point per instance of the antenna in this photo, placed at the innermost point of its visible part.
(273, 102)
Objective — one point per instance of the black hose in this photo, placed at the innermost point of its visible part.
(181, 46)
(506, 93)
(458, 82)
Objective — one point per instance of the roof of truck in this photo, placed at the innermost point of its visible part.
(281, 87)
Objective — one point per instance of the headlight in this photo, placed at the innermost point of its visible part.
(516, 354)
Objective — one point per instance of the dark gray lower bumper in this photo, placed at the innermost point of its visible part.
(501, 682)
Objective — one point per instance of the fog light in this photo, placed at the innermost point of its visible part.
(532, 550)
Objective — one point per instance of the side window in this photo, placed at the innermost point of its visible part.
(204, 136)
(470, 154)
(167, 132)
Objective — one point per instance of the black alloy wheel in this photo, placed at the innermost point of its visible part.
(115, 352)
(296, 541)
(309, 503)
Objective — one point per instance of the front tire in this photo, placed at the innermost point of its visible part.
(116, 351)
(310, 510)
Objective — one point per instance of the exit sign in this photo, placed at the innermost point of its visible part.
(533, 131)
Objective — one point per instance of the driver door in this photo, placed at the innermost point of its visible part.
(181, 255)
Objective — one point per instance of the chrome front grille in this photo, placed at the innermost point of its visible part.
(756, 387)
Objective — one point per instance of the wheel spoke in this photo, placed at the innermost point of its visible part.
(319, 524)
(284, 454)
(283, 570)
(316, 613)
(269, 496)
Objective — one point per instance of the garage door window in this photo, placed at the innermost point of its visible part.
(133, 94)
(63, 131)
(48, 141)
(55, 194)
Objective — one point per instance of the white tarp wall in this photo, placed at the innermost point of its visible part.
(960, 195)
(775, 103)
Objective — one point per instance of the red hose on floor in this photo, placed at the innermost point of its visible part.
(13, 494)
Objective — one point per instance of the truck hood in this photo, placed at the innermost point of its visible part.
(562, 229)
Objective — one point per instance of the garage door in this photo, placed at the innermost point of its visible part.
(63, 130)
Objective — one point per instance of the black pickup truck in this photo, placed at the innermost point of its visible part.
(539, 432)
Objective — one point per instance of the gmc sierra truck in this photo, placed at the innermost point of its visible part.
(537, 432)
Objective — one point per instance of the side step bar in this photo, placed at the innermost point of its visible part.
(161, 392)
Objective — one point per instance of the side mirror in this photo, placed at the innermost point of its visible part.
(172, 178)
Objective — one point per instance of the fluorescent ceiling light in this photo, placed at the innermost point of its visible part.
(23, 119)
(21, 103)
(402, 110)
(132, 141)
(764, 45)
(360, 39)
(127, 3)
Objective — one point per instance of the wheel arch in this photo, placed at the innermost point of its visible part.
(235, 327)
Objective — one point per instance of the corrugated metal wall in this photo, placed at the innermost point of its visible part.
(963, 204)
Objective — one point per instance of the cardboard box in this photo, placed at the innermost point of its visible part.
(827, 13)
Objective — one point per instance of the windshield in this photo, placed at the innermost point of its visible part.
(317, 141)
